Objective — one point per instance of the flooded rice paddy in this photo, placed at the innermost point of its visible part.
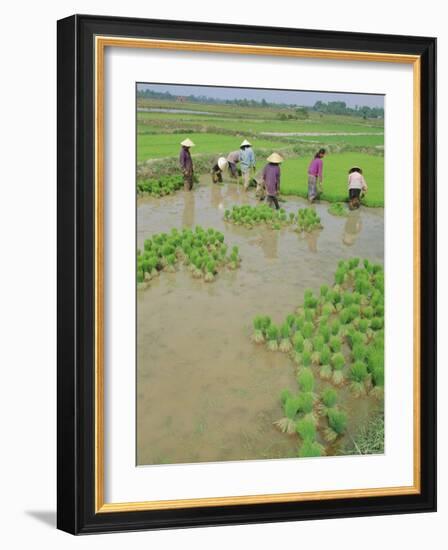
(205, 392)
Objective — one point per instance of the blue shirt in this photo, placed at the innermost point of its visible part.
(247, 159)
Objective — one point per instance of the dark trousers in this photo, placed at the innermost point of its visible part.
(354, 193)
(272, 199)
(216, 174)
(188, 181)
(233, 170)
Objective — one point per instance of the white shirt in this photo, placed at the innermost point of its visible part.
(356, 181)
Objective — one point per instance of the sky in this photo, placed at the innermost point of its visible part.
(306, 98)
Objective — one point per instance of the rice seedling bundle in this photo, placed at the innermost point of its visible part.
(262, 214)
(203, 251)
(258, 334)
(166, 185)
(285, 342)
(308, 329)
(310, 449)
(307, 220)
(305, 379)
(272, 335)
(338, 209)
(337, 424)
(358, 375)
(306, 429)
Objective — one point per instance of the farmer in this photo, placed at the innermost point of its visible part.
(233, 159)
(186, 163)
(218, 168)
(271, 179)
(315, 175)
(247, 162)
(356, 185)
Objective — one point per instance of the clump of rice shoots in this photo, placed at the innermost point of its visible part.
(345, 316)
(308, 329)
(306, 429)
(329, 399)
(363, 325)
(318, 344)
(285, 342)
(324, 290)
(285, 395)
(297, 341)
(309, 314)
(358, 375)
(325, 371)
(376, 323)
(327, 309)
(324, 330)
(287, 424)
(335, 327)
(335, 344)
(311, 449)
(272, 334)
(338, 363)
(337, 424)
(210, 272)
(306, 359)
(358, 352)
(310, 301)
(257, 335)
(305, 379)
(338, 209)
(377, 390)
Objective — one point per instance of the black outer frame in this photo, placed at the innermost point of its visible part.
(75, 172)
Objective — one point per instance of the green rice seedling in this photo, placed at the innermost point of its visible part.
(345, 316)
(363, 325)
(324, 330)
(284, 395)
(310, 301)
(355, 311)
(338, 363)
(285, 342)
(338, 209)
(358, 352)
(210, 271)
(272, 334)
(337, 424)
(265, 324)
(297, 341)
(306, 429)
(306, 359)
(347, 299)
(305, 403)
(324, 290)
(292, 217)
(287, 424)
(355, 338)
(335, 327)
(377, 390)
(170, 263)
(327, 309)
(308, 345)
(291, 320)
(367, 312)
(376, 323)
(339, 276)
(140, 276)
(311, 449)
(318, 344)
(305, 379)
(379, 310)
(335, 343)
(300, 321)
(257, 335)
(309, 314)
(358, 375)
(328, 399)
(308, 329)
(353, 263)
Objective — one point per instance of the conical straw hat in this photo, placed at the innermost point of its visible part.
(275, 157)
(245, 142)
(222, 163)
(187, 143)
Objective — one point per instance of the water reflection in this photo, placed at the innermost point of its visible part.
(216, 197)
(269, 244)
(352, 228)
(188, 214)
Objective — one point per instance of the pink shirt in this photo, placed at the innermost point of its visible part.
(356, 181)
(315, 167)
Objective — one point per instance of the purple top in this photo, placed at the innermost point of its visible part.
(271, 178)
(185, 160)
(315, 167)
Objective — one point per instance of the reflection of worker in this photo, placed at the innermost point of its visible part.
(218, 168)
(271, 179)
(352, 227)
(186, 164)
(247, 162)
(188, 214)
(269, 244)
(311, 238)
(216, 196)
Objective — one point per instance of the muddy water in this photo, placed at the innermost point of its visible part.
(204, 391)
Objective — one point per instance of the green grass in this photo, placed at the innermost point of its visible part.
(294, 178)
(363, 141)
(256, 125)
(151, 146)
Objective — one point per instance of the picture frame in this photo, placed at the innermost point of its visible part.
(82, 41)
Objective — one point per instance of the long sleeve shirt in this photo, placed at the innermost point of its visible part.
(185, 161)
(315, 168)
(271, 178)
(247, 159)
(234, 156)
(357, 181)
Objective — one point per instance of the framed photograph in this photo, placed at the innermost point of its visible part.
(246, 274)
